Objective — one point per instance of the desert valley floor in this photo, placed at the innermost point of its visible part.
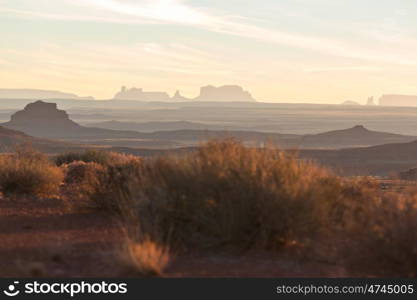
(41, 239)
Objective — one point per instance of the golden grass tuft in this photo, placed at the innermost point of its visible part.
(29, 173)
(101, 157)
(146, 257)
(380, 236)
(226, 196)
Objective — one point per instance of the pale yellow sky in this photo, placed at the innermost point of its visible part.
(284, 51)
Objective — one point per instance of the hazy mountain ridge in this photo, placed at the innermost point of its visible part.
(10, 138)
(381, 160)
(38, 94)
(43, 119)
(46, 120)
(159, 126)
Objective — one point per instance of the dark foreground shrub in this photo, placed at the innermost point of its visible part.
(82, 180)
(98, 186)
(97, 156)
(226, 194)
(29, 173)
(380, 236)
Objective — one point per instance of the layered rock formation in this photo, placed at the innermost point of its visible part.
(40, 117)
(357, 136)
(226, 93)
(44, 119)
(140, 95)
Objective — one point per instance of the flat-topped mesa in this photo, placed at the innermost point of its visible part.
(140, 95)
(41, 119)
(40, 111)
(226, 93)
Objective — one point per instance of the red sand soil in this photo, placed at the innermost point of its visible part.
(41, 238)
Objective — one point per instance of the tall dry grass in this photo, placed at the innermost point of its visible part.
(145, 257)
(97, 183)
(228, 196)
(101, 157)
(380, 236)
(29, 173)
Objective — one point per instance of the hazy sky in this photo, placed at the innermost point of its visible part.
(280, 50)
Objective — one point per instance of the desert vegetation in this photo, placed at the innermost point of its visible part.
(28, 173)
(226, 197)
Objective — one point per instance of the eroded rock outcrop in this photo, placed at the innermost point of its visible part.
(226, 93)
(42, 119)
(140, 95)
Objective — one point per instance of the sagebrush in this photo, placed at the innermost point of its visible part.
(29, 173)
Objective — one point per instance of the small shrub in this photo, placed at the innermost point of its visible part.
(115, 187)
(96, 186)
(380, 236)
(226, 194)
(82, 180)
(29, 173)
(96, 156)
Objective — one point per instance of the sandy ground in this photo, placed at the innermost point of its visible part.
(42, 239)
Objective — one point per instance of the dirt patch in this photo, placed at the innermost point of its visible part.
(41, 238)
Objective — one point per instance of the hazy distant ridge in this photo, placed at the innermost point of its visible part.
(38, 94)
(398, 100)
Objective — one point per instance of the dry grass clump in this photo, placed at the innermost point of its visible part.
(97, 156)
(381, 236)
(229, 195)
(82, 180)
(98, 186)
(29, 173)
(116, 186)
(145, 257)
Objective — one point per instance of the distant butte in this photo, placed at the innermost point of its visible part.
(226, 93)
(40, 117)
(349, 102)
(140, 95)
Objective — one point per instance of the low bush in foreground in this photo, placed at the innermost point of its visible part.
(228, 195)
(98, 184)
(82, 180)
(29, 173)
(380, 236)
(97, 156)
